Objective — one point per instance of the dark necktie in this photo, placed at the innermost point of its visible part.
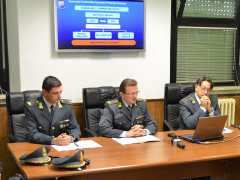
(130, 110)
(52, 109)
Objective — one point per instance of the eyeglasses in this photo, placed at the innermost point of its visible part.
(133, 93)
(205, 89)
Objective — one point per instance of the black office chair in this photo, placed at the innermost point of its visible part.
(15, 108)
(17, 177)
(174, 92)
(93, 105)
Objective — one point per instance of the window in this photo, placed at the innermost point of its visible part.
(226, 9)
(205, 40)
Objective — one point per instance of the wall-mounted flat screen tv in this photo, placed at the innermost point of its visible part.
(99, 25)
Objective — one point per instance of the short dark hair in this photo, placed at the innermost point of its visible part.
(127, 82)
(204, 78)
(49, 82)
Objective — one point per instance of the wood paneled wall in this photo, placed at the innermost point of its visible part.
(9, 167)
(156, 108)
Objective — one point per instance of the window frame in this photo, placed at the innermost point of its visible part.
(178, 20)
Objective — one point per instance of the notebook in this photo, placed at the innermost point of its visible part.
(208, 128)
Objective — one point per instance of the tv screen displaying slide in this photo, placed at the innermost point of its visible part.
(99, 25)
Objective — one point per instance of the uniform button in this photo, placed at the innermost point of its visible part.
(40, 127)
(53, 128)
(52, 136)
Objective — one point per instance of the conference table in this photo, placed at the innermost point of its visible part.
(153, 160)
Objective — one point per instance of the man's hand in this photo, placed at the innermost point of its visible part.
(206, 103)
(136, 130)
(62, 140)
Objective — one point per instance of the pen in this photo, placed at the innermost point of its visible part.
(76, 144)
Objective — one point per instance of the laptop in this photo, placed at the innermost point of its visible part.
(208, 128)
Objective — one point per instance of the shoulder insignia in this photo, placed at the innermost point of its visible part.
(66, 101)
(40, 105)
(119, 105)
(189, 100)
(32, 103)
(141, 100)
(59, 105)
(112, 102)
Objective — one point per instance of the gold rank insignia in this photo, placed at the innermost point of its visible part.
(189, 100)
(32, 103)
(193, 101)
(59, 105)
(44, 152)
(112, 102)
(40, 105)
(66, 101)
(119, 105)
(141, 100)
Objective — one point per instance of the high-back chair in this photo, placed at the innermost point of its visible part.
(173, 93)
(15, 108)
(93, 105)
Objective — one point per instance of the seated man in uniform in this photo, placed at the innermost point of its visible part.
(50, 119)
(199, 103)
(127, 116)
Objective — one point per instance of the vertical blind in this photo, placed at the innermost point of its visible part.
(205, 51)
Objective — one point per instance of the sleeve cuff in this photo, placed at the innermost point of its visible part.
(204, 110)
(73, 139)
(147, 132)
(123, 134)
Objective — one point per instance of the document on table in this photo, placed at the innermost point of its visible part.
(134, 140)
(77, 145)
(226, 130)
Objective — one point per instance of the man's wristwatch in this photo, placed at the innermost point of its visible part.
(146, 132)
(211, 110)
(73, 139)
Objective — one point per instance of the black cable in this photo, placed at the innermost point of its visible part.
(207, 142)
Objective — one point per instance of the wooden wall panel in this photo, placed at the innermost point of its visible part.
(9, 167)
(78, 109)
(156, 108)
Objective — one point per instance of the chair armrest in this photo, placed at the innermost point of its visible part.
(90, 132)
(169, 126)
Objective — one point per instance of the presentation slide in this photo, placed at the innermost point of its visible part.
(100, 24)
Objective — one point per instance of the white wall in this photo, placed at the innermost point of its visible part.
(37, 58)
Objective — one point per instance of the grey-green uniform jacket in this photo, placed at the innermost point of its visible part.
(116, 118)
(191, 112)
(42, 127)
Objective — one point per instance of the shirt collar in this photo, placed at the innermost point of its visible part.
(126, 104)
(197, 98)
(48, 104)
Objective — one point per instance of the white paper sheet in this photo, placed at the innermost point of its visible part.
(78, 145)
(226, 130)
(133, 140)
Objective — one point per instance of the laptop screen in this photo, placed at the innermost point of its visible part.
(209, 127)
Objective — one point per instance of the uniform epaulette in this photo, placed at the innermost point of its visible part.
(112, 102)
(189, 100)
(66, 101)
(32, 103)
(141, 100)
